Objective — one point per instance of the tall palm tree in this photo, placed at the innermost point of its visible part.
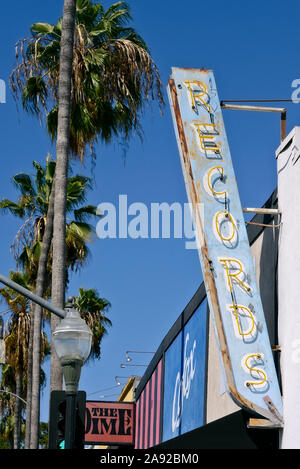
(16, 336)
(36, 196)
(8, 398)
(113, 75)
(62, 161)
(8, 407)
(32, 208)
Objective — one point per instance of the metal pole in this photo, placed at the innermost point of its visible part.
(240, 107)
(258, 101)
(267, 211)
(282, 111)
(70, 420)
(283, 125)
(31, 296)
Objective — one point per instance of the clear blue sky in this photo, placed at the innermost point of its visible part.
(253, 49)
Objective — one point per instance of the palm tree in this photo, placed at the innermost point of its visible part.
(113, 75)
(8, 404)
(93, 310)
(8, 407)
(33, 206)
(16, 335)
(62, 159)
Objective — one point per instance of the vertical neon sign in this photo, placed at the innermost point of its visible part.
(223, 246)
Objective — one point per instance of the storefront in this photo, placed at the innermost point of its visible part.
(182, 401)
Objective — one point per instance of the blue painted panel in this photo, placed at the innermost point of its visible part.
(185, 378)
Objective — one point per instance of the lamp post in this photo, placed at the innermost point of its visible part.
(72, 341)
(118, 381)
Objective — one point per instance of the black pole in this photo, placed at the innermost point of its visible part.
(71, 399)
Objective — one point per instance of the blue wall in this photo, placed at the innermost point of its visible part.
(184, 379)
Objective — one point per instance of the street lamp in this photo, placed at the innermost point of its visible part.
(118, 381)
(72, 341)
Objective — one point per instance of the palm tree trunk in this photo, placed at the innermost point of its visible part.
(39, 290)
(29, 384)
(61, 175)
(17, 427)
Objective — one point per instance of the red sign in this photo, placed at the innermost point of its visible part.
(109, 423)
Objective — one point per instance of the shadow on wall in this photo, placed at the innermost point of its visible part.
(268, 274)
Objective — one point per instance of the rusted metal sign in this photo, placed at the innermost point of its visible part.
(223, 246)
(109, 423)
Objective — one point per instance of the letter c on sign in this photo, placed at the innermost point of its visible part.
(210, 178)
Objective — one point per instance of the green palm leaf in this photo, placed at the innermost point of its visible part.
(9, 206)
(32, 206)
(84, 213)
(93, 310)
(42, 28)
(24, 184)
(80, 229)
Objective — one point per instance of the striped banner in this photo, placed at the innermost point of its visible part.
(148, 412)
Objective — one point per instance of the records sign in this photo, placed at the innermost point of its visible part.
(227, 265)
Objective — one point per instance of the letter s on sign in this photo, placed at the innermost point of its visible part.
(258, 374)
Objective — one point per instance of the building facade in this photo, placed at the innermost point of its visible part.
(182, 400)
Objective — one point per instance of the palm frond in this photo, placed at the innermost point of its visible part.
(23, 183)
(93, 310)
(81, 230)
(114, 75)
(9, 206)
(84, 213)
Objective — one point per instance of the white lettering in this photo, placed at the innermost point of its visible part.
(138, 227)
(183, 386)
(166, 209)
(2, 92)
(106, 226)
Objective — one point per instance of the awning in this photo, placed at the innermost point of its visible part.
(229, 432)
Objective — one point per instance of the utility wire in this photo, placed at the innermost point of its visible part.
(102, 396)
(257, 100)
(103, 390)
